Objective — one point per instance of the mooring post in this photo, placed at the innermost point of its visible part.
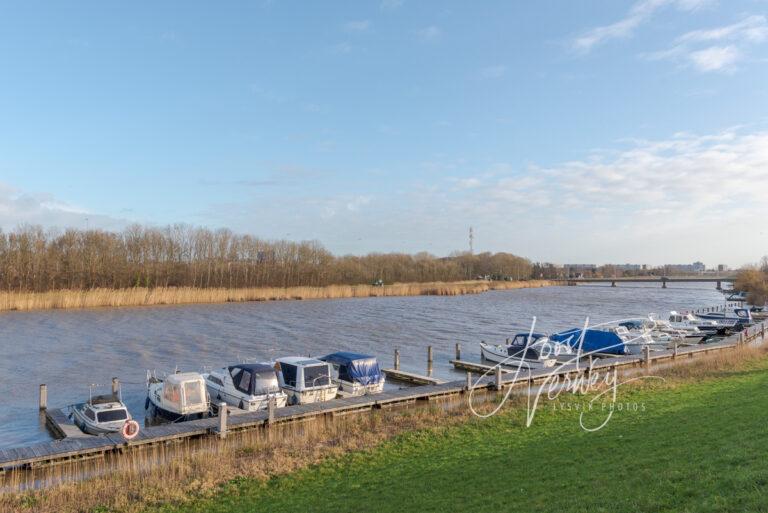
(429, 355)
(674, 351)
(762, 335)
(115, 386)
(469, 380)
(223, 420)
(43, 397)
(647, 350)
(271, 410)
(458, 351)
(498, 377)
(397, 359)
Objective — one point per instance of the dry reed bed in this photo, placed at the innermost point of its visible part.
(141, 296)
(188, 471)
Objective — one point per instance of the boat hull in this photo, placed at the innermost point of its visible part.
(311, 396)
(156, 414)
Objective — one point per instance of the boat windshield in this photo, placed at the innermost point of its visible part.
(112, 415)
(316, 376)
(193, 393)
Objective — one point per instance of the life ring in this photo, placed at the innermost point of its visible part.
(130, 429)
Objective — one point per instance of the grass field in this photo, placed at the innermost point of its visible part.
(690, 447)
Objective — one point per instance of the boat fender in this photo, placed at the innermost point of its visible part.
(130, 429)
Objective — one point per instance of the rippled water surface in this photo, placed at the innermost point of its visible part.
(70, 349)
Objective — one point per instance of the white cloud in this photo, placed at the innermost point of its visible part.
(357, 26)
(19, 207)
(490, 72)
(430, 33)
(715, 58)
(639, 13)
(691, 47)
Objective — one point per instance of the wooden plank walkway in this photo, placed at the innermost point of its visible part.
(71, 447)
(410, 377)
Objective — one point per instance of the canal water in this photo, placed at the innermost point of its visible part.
(70, 349)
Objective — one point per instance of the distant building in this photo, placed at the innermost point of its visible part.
(696, 267)
(579, 270)
(628, 267)
(722, 268)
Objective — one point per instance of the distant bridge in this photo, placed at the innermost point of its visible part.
(654, 279)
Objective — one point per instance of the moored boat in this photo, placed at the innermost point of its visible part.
(177, 398)
(103, 414)
(526, 350)
(249, 386)
(305, 380)
(355, 374)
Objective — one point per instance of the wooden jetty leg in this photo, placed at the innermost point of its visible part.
(498, 382)
(458, 351)
(43, 397)
(674, 351)
(647, 351)
(429, 361)
(397, 359)
(271, 410)
(223, 420)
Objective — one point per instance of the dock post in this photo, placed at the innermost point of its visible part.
(43, 397)
(223, 420)
(429, 355)
(115, 386)
(498, 377)
(469, 381)
(397, 359)
(271, 411)
(458, 351)
(763, 330)
(647, 351)
(674, 351)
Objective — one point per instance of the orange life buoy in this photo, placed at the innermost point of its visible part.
(130, 429)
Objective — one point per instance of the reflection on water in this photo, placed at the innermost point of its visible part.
(69, 349)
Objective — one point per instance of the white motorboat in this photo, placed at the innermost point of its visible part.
(355, 374)
(686, 333)
(177, 398)
(534, 350)
(732, 316)
(305, 380)
(635, 342)
(684, 321)
(249, 386)
(104, 414)
(661, 332)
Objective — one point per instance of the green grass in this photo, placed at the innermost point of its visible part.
(696, 448)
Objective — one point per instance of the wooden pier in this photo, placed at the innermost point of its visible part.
(74, 447)
(410, 377)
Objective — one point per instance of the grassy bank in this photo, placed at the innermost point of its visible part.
(140, 296)
(696, 446)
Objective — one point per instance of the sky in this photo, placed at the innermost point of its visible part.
(564, 131)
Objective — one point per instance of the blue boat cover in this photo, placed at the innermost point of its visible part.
(595, 341)
(362, 368)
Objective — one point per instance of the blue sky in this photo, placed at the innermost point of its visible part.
(568, 131)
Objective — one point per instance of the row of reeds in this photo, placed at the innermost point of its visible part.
(141, 296)
(197, 469)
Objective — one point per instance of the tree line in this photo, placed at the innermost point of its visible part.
(35, 259)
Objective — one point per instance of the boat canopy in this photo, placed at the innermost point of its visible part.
(595, 341)
(254, 378)
(191, 384)
(354, 367)
(521, 339)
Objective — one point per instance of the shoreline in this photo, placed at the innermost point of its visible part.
(142, 296)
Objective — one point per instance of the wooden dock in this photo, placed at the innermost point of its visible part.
(77, 447)
(410, 377)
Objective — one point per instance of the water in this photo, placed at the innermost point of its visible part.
(69, 349)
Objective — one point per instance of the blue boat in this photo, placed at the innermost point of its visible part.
(356, 374)
(595, 341)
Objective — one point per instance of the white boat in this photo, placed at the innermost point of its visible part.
(355, 374)
(635, 342)
(177, 398)
(540, 352)
(305, 380)
(663, 332)
(733, 316)
(686, 333)
(249, 386)
(101, 414)
(683, 321)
